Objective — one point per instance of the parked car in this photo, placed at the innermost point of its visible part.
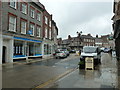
(60, 54)
(65, 50)
(102, 49)
(72, 51)
(106, 50)
(91, 51)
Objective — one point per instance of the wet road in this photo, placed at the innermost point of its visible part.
(34, 74)
(65, 63)
(104, 77)
(52, 74)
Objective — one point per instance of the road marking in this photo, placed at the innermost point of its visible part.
(54, 79)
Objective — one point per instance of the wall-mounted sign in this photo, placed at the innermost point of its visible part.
(30, 32)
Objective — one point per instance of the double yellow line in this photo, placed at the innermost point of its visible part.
(53, 80)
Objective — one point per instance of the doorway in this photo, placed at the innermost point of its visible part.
(4, 54)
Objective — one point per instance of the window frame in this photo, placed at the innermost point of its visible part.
(15, 4)
(33, 31)
(46, 32)
(24, 20)
(38, 26)
(26, 7)
(12, 15)
(32, 8)
(38, 19)
(46, 20)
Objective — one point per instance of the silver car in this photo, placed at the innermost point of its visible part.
(60, 54)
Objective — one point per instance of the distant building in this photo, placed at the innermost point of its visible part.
(88, 40)
(105, 41)
(98, 42)
(77, 43)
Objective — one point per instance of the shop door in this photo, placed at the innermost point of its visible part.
(31, 50)
(4, 54)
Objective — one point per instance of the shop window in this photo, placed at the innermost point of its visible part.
(18, 50)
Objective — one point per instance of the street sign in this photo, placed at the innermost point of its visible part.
(89, 63)
(30, 32)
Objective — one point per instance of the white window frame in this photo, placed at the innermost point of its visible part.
(24, 8)
(50, 23)
(23, 27)
(32, 12)
(46, 33)
(12, 23)
(32, 27)
(38, 16)
(50, 34)
(13, 4)
(38, 29)
(46, 20)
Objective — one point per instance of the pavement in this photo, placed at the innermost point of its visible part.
(119, 75)
(103, 77)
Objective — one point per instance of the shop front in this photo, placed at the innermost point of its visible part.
(26, 48)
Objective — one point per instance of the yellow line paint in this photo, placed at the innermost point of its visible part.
(54, 79)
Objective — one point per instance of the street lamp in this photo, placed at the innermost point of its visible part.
(78, 39)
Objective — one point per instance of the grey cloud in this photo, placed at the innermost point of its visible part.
(75, 16)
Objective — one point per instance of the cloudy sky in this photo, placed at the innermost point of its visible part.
(77, 15)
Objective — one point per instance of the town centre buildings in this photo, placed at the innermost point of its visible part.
(28, 31)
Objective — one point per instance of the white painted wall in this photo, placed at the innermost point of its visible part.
(8, 43)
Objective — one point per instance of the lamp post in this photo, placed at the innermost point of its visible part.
(78, 39)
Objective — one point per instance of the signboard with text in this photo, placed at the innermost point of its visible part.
(89, 63)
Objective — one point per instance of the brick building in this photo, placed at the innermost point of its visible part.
(88, 40)
(77, 43)
(98, 42)
(116, 29)
(116, 26)
(26, 30)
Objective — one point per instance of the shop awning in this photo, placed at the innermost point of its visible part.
(26, 39)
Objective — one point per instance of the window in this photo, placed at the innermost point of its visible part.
(13, 3)
(32, 29)
(46, 32)
(38, 31)
(38, 16)
(24, 8)
(32, 12)
(23, 26)
(12, 23)
(50, 23)
(50, 34)
(46, 20)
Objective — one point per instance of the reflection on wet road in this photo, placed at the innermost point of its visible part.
(34, 74)
(104, 77)
(66, 63)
